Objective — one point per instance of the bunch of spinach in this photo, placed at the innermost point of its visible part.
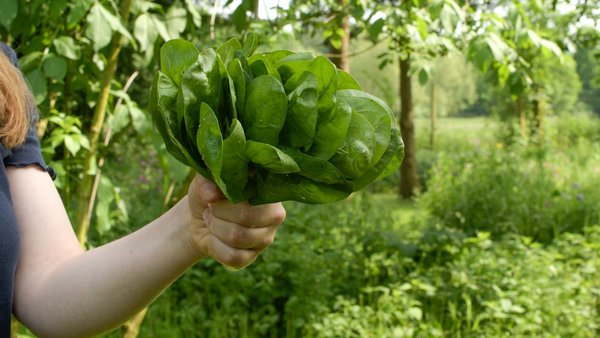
(274, 126)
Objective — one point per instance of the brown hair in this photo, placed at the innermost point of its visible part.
(15, 103)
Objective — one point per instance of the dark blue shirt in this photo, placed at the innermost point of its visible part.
(26, 154)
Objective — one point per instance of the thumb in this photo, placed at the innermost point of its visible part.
(201, 193)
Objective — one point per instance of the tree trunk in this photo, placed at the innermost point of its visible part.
(539, 116)
(409, 182)
(86, 204)
(433, 115)
(340, 56)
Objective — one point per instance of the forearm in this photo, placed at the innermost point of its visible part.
(99, 289)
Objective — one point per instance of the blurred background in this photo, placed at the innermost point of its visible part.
(490, 228)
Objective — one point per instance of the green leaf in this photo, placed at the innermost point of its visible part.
(379, 115)
(325, 72)
(145, 31)
(250, 44)
(275, 188)
(57, 9)
(236, 74)
(235, 164)
(345, 81)
(119, 119)
(101, 24)
(77, 11)
(260, 65)
(161, 106)
(375, 29)
(271, 158)
(66, 46)
(301, 119)
(72, 145)
(10, 9)
(422, 27)
(39, 85)
(201, 83)
(353, 158)
(332, 127)
(139, 119)
(228, 49)
(292, 64)
(176, 20)
(389, 162)
(210, 143)
(176, 56)
(55, 67)
(98, 30)
(265, 110)
(317, 169)
(105, 198)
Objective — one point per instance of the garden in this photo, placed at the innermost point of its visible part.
(490, 228)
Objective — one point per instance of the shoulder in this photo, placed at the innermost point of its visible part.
(4, 48)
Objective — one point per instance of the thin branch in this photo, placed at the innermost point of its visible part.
(362, 51)
(213, 17)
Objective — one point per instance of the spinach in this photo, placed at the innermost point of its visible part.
(275, 126)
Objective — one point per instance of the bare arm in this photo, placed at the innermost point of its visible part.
(62, 291)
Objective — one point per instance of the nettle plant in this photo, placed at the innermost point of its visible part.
(273, 126)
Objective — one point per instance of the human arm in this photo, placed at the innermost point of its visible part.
(63, 291)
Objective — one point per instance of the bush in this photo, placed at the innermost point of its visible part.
(502, 192)
(510, 287)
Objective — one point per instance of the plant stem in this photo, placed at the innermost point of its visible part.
(89, 166)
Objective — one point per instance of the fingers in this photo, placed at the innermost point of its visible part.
(238, 236)
(201, 193)
(257, 216)
(231, 257)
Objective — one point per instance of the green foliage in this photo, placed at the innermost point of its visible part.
(535, 192)
(309, 133)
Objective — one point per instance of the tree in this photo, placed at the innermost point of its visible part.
(417, 32)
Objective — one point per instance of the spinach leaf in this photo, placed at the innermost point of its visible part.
(234, 171)
(324, 71)
(264, 110)
(390, 161)
(175, 56)
(273, 188)
(160, 108)
(332, 127)
(378, 115)
(269, 127)
(260, 65)
(201, 82)
(271, 158)
(236, 73)
(250, 43)
(227, 50)
(301, 120)
(345, 81)
(293, 63)
(317, 169)
(354, 157)
(210, 143)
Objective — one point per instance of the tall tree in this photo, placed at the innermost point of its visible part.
(417, 32)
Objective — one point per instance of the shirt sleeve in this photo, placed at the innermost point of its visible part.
(28, 153)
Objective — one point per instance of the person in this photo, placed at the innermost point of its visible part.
(57, 289)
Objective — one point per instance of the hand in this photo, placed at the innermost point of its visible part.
(233, 234)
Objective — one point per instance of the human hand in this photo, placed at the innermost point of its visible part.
(233, 234)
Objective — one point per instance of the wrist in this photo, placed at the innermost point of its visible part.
(186, 233)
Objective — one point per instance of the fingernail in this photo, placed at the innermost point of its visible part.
(208, 191)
